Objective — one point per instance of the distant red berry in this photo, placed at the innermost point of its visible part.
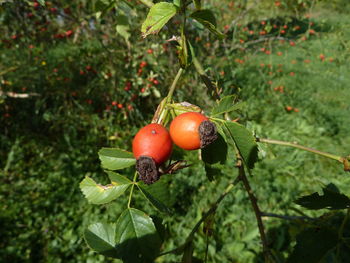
(69, 33)
(143, 64)
(289, 108)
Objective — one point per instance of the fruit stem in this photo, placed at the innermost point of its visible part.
(295, 145)
(132, 189)
(173, 85)
(163, 111)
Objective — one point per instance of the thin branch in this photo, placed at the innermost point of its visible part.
(132, 189)
(204, 217)
(286, 217)
(18, 95)
(258, 214)
(343, 160)
(341, 231)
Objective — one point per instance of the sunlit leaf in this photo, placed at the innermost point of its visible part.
(158, 16)
(226, 104)
(114, 159)
(102, 194)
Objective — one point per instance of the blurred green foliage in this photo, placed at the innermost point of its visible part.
(92, 82)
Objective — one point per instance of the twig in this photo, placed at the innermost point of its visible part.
(341, 231)
(258, 214)
(343, 160)
(286, 217)
(132, 189)
(18, 95)
(203, 218)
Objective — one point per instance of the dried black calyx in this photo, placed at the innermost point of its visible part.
(147, 169)
(207, 133)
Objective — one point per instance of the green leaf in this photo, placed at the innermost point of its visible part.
(183, 107)
(123, 27)
(207, 19)
(215, 152)
(212, 171)
(42, 2)
(102, 194)
(245, 142)
(101, 238)
(187, 256)
(177, 3)
(225, 105)
(136, 237)
(103, 6)
(158, 16)
(313, 244)
(331, 199)
(220, 128)
(212, 88)
(157, 194)
(148, 3)
(197, 4)
(115, 159)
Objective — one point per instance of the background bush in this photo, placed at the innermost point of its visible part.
(92, 82)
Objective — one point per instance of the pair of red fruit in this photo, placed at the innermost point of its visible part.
(189, 131)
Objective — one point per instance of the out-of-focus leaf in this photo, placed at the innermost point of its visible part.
(188, 252)
(207, 19)
(331, 199)
(123, 26)
(148, 3)
(313, 244)
(158, 16)
(114, 158)
(197, 4)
